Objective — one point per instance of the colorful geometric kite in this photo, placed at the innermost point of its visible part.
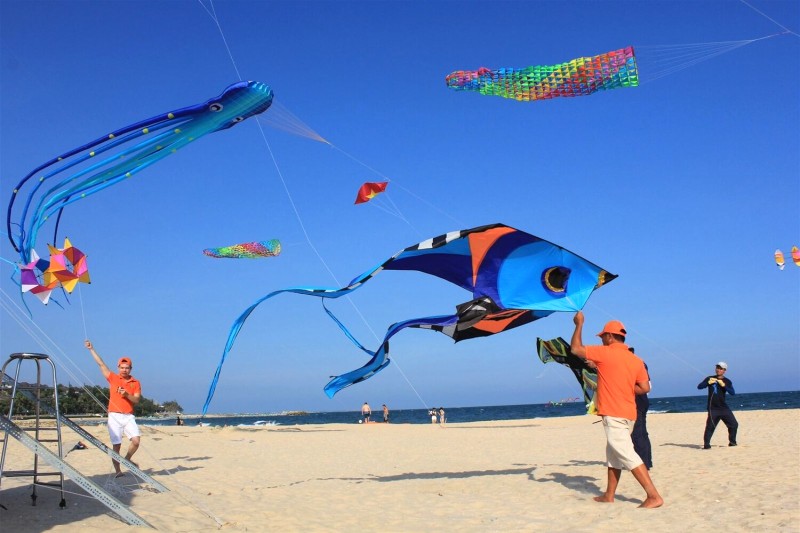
(67, 267)
(369, 190)
(796, 255)
(513, 277)
(59, 182)
(582, 76)
(247, 250)
(558, 350)
(31, 278)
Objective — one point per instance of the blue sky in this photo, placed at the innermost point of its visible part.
(683, 186)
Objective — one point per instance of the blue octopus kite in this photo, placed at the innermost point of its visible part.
(126, 151)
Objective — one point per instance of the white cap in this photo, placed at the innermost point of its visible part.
(723, 364)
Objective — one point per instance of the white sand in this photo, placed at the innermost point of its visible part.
(525, 475)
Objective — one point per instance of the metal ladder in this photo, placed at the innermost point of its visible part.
(37, 430)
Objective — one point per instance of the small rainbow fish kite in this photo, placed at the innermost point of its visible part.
(247, 250)
(370, 190)
(579, 77)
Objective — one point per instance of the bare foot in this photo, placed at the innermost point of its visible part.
(652, 503)
(603, 499)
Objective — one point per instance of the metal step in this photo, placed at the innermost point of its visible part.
(86, 484)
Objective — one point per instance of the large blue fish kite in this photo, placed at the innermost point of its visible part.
(514, 277)
(121, 154)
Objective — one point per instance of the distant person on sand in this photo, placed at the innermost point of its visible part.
(717, 408)
(432, 412)
(178, 421)
(640, 437)
(385, 413)
(125, 391)
(620, 376)
(366, 412)
(442, 419)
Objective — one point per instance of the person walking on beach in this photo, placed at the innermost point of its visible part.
(640, 437)
(718, 385)
(432, 412)
(385, 414)
(124, 392)
(620, 376)
(442, 419)
(366, 412)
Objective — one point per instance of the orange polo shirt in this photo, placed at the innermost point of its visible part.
(618, 370)
(116, 402)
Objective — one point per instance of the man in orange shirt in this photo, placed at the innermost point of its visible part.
(620, 376)
(125, 391)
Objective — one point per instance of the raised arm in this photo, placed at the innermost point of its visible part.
(97, 359)
(576, 344)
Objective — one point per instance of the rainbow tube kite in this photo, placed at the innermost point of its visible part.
(579, 77)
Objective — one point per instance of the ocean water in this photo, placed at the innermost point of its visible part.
(680, 404)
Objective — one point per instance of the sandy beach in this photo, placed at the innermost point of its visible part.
(524, 475)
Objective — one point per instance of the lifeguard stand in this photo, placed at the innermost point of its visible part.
(41, 433)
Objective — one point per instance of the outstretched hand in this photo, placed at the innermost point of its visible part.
(578, 318)
(88, 344)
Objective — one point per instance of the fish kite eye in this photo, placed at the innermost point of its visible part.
(216, 107)
(555, 279)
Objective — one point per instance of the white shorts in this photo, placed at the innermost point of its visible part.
(119, 424)
(619, 446)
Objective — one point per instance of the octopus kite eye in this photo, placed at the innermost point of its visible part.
(216, 108)
(555, 279)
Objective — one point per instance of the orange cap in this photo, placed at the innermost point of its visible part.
(616, 327)
(124, 360)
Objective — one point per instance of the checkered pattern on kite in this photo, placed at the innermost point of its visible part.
(581, 76)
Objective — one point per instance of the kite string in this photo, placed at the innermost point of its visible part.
(83, 313)
(787, 30)
(41, 337)
(212, 12)
(657, 61)
(649, 339)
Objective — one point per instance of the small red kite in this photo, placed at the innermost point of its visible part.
(369, 190)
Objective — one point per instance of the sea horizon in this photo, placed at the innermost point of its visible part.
(570, 407)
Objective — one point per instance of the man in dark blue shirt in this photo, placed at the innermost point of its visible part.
(718, 385)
